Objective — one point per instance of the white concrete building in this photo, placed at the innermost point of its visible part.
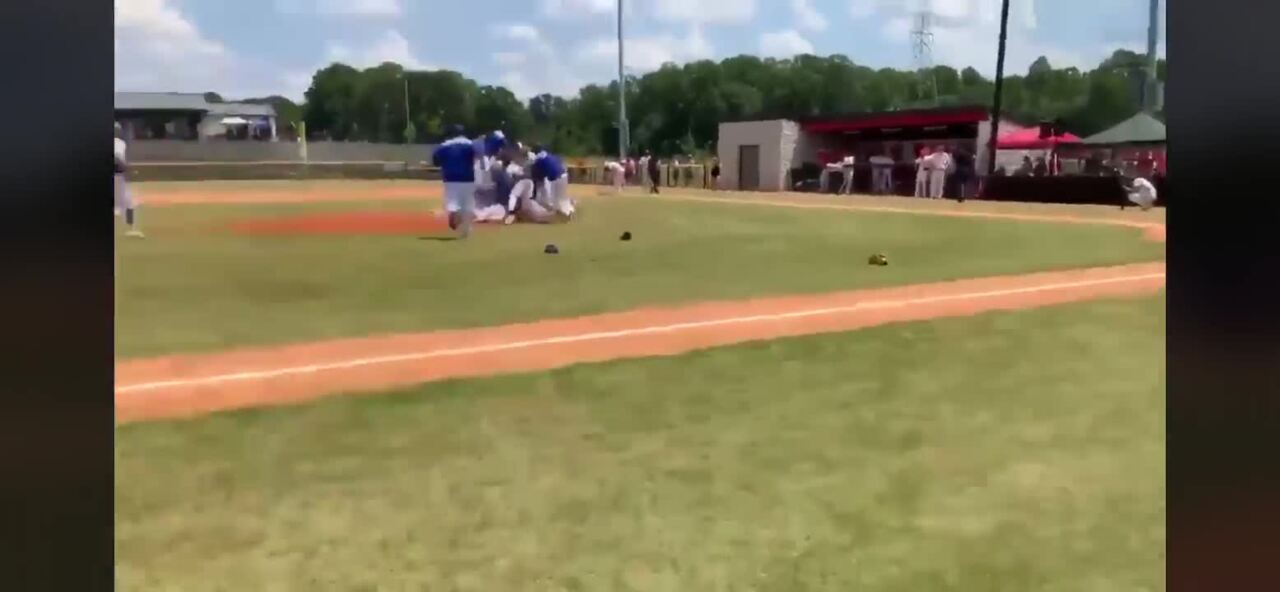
(768, 155)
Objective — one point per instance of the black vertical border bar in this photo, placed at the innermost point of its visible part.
(1223, 454)
(57, 297)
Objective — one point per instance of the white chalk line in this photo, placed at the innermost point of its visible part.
(604, 335)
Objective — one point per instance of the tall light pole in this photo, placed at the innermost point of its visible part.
(995, 102)
(408, 123)
(1151, 92)
(622, 96)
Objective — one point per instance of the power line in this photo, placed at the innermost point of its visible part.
(922, 55)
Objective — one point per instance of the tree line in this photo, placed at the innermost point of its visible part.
(677, 109)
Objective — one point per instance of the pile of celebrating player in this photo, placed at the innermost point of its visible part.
(492, 180)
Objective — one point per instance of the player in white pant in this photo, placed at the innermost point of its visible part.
(552, 182)
(617, 175)
(846, 175)
(938, 174)
(123, 197)
(922, 173)
(1142, 192)
(525, 208)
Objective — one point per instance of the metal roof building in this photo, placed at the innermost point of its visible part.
(190, 116)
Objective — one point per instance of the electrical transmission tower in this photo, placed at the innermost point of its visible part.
(922, 56)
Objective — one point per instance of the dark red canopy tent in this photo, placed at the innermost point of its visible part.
(1029, 139)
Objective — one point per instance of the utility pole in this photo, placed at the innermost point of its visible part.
(922, 56)
(408, 123)
(995, 103)
(1151, 92)
(623, 128)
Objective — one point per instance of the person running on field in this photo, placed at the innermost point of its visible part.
(124, 198)
(457, 158)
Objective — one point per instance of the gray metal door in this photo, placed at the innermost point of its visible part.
(749, 167)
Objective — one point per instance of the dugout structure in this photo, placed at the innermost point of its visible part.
(789, 154)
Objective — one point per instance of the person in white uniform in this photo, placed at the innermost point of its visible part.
(828, 170)
(922, 173)
(491, 201)
(846, 175)
(941, 163)
(521, 205)
(617, 175)
(1142, 192)
(882, 173)
(123, 197)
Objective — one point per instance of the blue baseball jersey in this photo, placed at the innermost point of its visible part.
(456, 159)
(494, 143)
(547, 166)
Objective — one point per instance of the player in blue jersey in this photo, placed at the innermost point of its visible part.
(456, 158)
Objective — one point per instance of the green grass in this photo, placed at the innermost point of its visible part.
(193, 286)
(1008, 451)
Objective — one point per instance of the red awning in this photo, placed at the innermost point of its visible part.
(1029, 139)
(892, 119)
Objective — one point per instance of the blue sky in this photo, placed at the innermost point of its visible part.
(258, 47)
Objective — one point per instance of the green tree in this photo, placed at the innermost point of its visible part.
(331, 101)
(679, 108)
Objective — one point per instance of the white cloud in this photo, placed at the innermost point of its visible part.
(517, 32)
(808, 17)
(574, 8)
(784, 44)
(942, 10)
(391, 46)
(966, 34)
(509, 58)
(369, 8)
(534, 67)
(948, 9)
(157, 48)
(720, 12)
(860, 9)
(648, 53)
(897, 29)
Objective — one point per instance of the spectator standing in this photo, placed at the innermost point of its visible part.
(1026, 168)
(965, 173)
(715, 173)
(1042, 168)
(652, 170)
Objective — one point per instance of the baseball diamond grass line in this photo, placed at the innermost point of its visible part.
(271, 289)
(1020, 450)
(606, 335)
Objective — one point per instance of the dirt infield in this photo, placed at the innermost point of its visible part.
(287, 195)
(178, 386)
(355, 223)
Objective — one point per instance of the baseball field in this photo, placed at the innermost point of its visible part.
(318, 390)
